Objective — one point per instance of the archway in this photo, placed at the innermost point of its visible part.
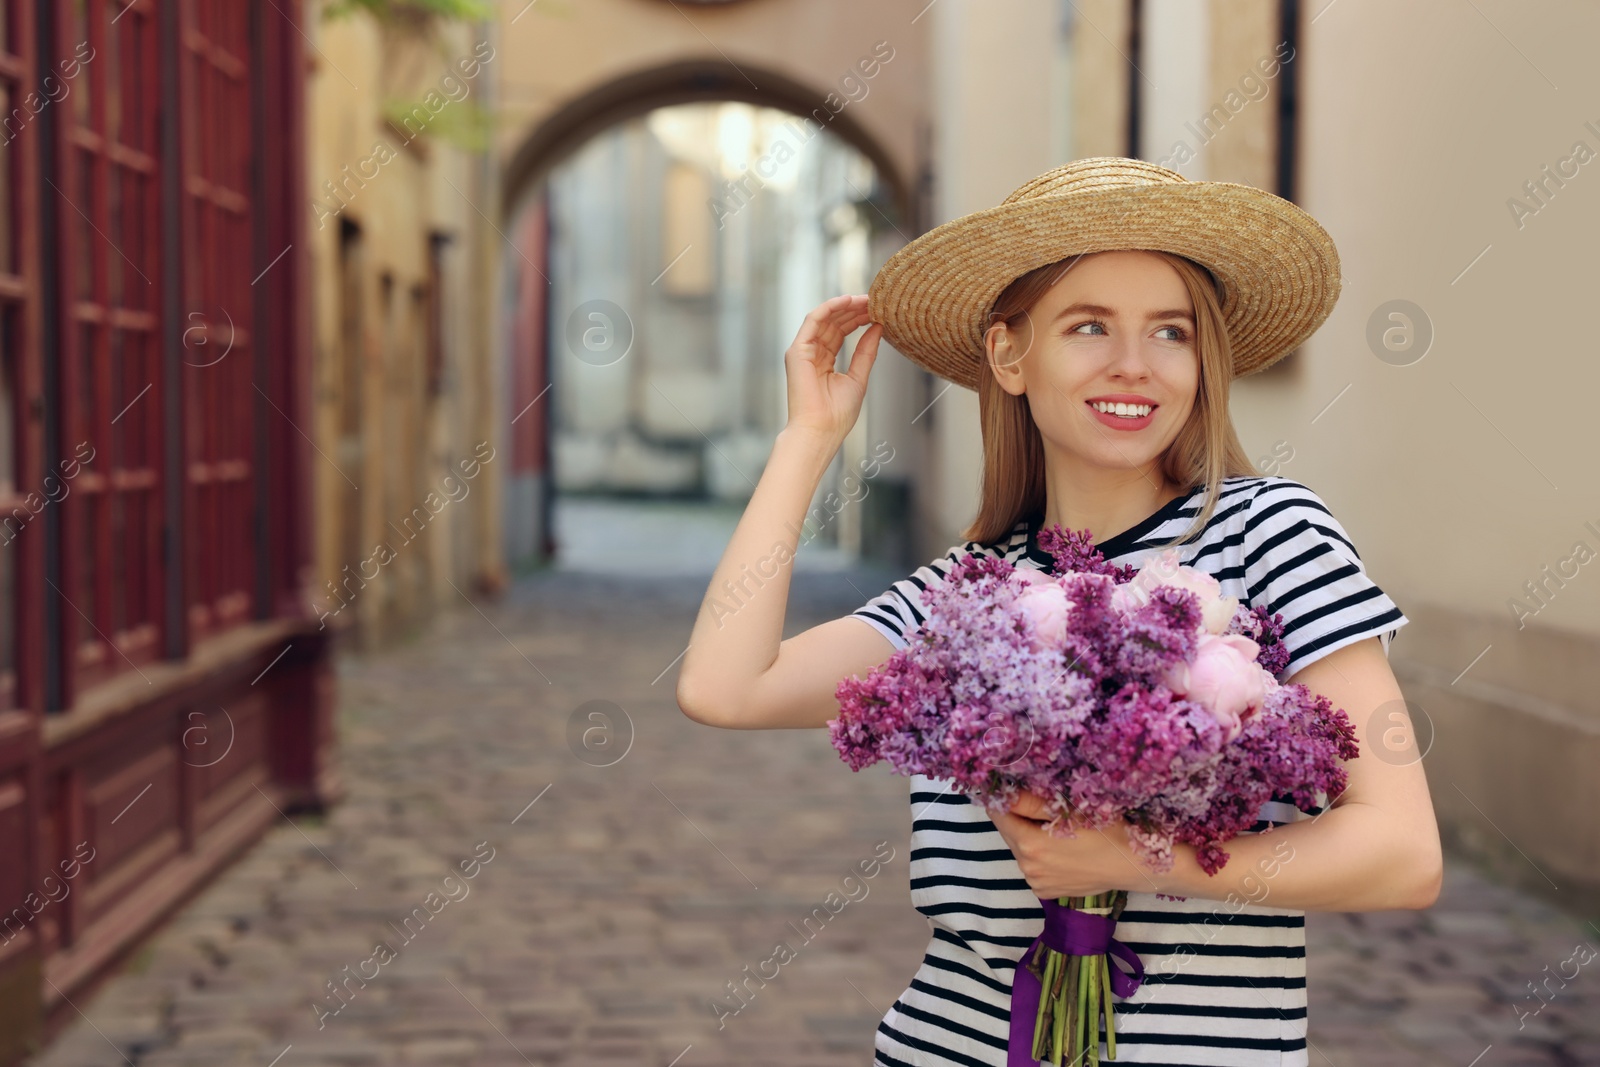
(683, 82)
(648, 286)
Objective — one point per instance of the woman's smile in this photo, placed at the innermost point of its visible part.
(1122, 411)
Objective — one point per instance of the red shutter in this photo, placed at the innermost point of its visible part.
(219, 392)
(108, 187)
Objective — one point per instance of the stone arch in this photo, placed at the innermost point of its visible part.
(683, 81)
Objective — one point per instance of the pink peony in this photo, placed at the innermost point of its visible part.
(1224, 677)
(1163, 568)
(1045, 607)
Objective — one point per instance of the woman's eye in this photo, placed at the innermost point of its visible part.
(1180, 333)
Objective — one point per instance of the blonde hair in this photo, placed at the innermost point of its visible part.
(1205, 451)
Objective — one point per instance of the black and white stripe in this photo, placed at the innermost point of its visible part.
(1225, 983)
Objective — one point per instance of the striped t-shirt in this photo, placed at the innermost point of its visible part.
(1225, 983)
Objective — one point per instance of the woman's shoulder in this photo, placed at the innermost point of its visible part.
(1008, 544)
(1282, 510)
(1250, 507)
(1270, 488)
(1276, 489)
(1299, 562)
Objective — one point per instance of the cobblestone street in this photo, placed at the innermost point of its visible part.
(610, 905)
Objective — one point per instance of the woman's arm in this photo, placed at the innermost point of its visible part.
(737, 671)
(1375, 848)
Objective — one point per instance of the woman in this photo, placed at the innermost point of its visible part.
(1100, 312)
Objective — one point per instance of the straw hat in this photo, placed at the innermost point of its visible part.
(1278, 268)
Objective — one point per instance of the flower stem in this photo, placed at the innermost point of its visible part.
(1087, 1044)
(1065, 1019)
(1111, 1026)
(1082, 1051)
(1052, 966)
(1094, 1010)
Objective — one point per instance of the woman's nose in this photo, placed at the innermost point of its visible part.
(1129, 359)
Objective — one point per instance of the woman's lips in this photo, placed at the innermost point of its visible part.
(1123, 422)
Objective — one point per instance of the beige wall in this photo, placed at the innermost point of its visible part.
(1410, 166)
(996, 128)
(1098, 60)
(408, 441)
(1462, 475)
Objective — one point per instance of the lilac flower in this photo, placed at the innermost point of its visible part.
(1001, 698)
(1267, 631)
(1074, 552)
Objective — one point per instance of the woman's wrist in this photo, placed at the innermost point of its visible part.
(813, 445)
(1176, 881)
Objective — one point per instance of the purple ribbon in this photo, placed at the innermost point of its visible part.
(1075, 933)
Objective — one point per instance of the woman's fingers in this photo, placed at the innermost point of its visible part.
(829, 322)
(1029, 806)
(827, 325)
(848, 316)
(865, 354)
(1016, 829)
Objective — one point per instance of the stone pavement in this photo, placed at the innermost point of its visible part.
(625, 869)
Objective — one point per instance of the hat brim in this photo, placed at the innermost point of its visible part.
(1278, 267)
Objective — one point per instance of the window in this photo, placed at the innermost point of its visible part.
(219, 390)
(438, 243)
(111, 374)
(349, 461)
(1288, 110)
(1133, 74)
(149, 258)
(688, 242)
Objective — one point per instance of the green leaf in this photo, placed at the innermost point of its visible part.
(390, 9)
(460, 123)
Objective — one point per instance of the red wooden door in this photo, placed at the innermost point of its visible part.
(220, 396)
(111, 384)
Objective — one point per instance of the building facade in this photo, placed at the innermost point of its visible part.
(407, 469)
(165, 694)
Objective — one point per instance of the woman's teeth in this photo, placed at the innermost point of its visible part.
(1131, 411)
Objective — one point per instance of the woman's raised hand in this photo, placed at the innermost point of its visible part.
(742, 673)
(821, 400)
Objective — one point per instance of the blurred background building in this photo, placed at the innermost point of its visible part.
(403, 255)
(688, 407)
(674, 215)
(163, 692)
(319, 319)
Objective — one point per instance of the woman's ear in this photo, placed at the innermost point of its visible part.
(1005, 357)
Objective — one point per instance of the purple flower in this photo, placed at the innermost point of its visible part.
(1074, 552)
(1088, 722)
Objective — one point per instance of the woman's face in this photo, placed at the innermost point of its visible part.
(1117, 328)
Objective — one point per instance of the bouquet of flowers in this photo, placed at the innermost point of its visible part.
(1136, 698)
